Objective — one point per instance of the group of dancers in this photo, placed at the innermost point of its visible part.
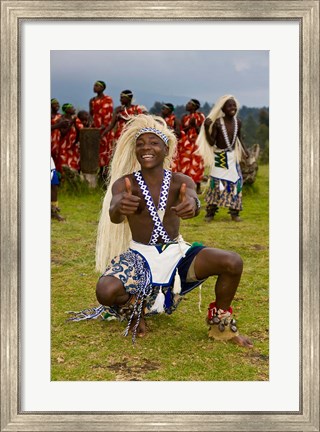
(214, 142)
(146, 266)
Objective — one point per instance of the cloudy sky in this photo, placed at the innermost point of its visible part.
(165, 76)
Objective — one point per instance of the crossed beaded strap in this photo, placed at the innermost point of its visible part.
(158, 229)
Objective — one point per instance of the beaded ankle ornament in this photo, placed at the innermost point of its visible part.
(222, 326)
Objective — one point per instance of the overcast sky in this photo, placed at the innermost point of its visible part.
(165, 76)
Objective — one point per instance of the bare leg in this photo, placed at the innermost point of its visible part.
(110, 292)
(228, 267)
(54, 192)
(54, 202)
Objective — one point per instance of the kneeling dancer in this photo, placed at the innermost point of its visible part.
(151, 266)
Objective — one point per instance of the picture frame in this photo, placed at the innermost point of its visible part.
(12, 14)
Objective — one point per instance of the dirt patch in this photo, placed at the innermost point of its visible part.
(133, 369)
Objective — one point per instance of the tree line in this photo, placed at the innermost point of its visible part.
(255, 124)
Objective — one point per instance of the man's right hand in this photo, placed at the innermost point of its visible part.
(128, 203)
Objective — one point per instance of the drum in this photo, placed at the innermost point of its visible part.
(89, 150)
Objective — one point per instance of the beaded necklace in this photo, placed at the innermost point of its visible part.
(225, 133)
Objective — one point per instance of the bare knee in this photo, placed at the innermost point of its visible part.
(234, 264)
(110, 291)
(101, 291)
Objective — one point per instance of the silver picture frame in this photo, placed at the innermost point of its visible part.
(306, 13)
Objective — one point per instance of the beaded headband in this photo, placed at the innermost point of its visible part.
(196, 104)
(66, 106)
(101, 83)
(128, 95)
(155, 131)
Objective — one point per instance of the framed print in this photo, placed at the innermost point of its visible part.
(290, 399)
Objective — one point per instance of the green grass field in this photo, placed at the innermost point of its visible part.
(176, 347)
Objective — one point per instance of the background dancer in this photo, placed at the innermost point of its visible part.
(221, 146)
(101, 109)
(167, 113)
(190, 162)
(122, 114)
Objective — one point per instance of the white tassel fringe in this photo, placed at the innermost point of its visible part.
(177, 283)
(159, 302)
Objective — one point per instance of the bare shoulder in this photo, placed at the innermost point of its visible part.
(179, 178)
(119, 185)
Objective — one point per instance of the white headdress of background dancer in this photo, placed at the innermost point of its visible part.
(113, 239)
(204, 149)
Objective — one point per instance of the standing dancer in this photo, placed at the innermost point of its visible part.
(190, 162)
(101, 109)
(122, 114)
(56, 125)
(167, 113)
(221, 146)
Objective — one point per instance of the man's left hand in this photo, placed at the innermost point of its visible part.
(186, 209)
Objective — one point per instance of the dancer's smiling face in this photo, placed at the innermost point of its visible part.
(230, 108)
(150, 150)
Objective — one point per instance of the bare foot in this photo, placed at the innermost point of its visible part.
(242, 341)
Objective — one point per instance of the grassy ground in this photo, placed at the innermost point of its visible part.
(177, 347)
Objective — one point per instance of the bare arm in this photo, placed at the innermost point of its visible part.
(112, 123)
(210, 137)
(177, 128)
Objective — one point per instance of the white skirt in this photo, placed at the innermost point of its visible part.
(162, 262)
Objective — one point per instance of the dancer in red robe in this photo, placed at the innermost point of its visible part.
(101, 109)
(122, 114)
(167, 113)
(55, 129)
(69, 148)
(191, 163)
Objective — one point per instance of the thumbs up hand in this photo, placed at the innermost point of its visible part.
(128, 186)
(182, 194)
(128, 203)
(186, 208)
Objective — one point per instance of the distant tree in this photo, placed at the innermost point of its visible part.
(245, 112)
(156, 108)
(262, 134)
(264, 155)
(256, 129)
(249, 130)
(264, 117)
(206, 108)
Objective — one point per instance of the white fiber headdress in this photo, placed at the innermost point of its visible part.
(113, 239)
(204, 149)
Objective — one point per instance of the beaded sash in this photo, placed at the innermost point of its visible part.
(158, 228)
(225, 133)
